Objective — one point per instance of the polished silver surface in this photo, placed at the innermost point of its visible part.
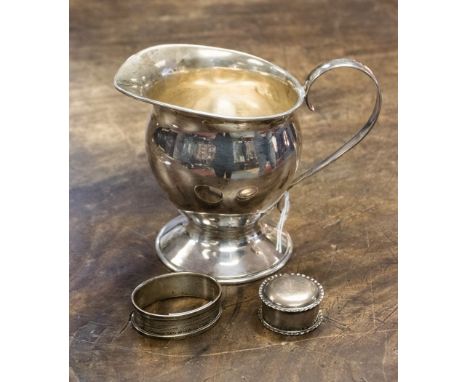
(224, 173)
(233, 249)
(291, 291)
(224, 144)
(291, 332)
(176, 324)
(290, 303)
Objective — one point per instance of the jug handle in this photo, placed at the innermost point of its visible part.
(359, 136)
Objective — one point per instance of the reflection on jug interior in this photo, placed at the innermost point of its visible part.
(225, 91)
(224, 170)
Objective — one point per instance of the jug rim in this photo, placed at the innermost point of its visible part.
(288, 77)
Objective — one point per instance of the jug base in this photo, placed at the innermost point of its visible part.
(230, 259)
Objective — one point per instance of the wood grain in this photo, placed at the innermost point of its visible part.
(343, 221)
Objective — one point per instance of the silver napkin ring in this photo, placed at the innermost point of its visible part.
(180, 324)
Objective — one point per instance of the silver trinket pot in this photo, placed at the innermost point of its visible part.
(291, 303)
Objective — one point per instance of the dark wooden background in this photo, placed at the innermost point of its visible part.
(343, 221)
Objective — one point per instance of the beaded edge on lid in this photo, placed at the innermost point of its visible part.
(272, 305)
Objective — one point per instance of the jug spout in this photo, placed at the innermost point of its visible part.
(140, 71)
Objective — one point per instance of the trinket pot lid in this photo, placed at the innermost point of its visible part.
(293, 292)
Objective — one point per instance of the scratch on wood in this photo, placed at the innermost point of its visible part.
(147, 240)
(217, 374)
(384, 358)
(125, 326)
(332, 224)
(118, 128)
(341, 335)
(388, 315)
(240, 302)
(337, 323)
(389, 238)
(72, 375)
(373, 303)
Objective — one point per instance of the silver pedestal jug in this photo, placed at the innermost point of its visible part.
(224, 144)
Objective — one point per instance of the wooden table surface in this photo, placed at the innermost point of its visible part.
(343, 221)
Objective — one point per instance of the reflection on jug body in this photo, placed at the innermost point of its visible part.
(222, 170)
(223, 163)
(266, 153)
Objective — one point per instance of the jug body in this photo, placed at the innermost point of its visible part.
(231, 170)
